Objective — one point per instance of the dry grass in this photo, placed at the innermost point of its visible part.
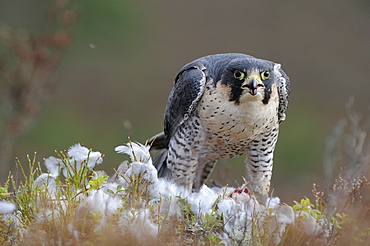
(86, 207)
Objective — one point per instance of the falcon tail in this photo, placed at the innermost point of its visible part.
(160, 163)
(158, 141)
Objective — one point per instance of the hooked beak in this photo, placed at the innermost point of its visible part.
(252, 83)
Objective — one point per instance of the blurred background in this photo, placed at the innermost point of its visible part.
(114, 77)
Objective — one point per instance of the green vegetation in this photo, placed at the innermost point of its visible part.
(75, 204)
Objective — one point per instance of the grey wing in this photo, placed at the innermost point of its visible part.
(283, 86)
(188, 89)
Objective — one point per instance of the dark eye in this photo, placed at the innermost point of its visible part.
(239, 75)
(265, 74)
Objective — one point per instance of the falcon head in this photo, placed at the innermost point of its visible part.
(249, 77)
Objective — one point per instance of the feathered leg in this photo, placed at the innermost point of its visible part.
(203, 173)
(259, 162)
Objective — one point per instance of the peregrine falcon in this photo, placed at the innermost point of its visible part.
(222, 106)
